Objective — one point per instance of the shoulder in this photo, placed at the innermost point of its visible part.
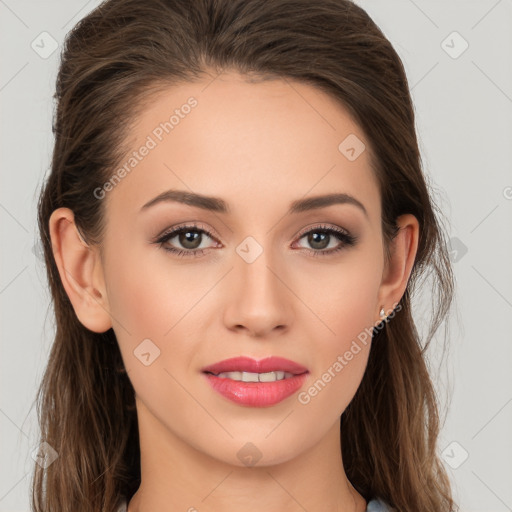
(378, 505)
(375, 505)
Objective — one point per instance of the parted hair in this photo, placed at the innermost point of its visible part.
(111, 64)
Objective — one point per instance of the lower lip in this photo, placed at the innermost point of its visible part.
(256, 394)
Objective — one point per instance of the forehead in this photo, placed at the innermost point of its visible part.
(274, 141)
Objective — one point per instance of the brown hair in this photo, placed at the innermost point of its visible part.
(112, 62)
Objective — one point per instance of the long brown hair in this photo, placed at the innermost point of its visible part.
(112, 62)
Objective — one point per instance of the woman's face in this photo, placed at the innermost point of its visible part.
(258, 285)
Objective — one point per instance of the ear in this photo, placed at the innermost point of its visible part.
(80, 271)
(397, 271)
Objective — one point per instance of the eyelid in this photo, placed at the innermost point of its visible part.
(199, 226)
(184, 225)
(322, 226)
(345, 238)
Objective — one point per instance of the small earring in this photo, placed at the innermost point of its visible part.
(382, 313)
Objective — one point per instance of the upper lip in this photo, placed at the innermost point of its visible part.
(247, 364)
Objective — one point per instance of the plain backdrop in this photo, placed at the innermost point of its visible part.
(458, 58)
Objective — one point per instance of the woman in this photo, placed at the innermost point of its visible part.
(233, 225)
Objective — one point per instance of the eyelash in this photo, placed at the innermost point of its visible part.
(347, 240)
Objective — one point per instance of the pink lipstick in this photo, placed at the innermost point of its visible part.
(253, 383)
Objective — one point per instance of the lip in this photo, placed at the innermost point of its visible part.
(247, 364)
(256, 394)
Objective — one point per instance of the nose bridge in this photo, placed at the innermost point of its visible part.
(259, 300)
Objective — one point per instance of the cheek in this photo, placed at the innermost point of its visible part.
(351, 307)
(149, 295)
(342, 353)
(135, 303)
(149, 318)
(344, 297)
(346, 313)
(152, 299)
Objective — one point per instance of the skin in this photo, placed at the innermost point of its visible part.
(258, 146)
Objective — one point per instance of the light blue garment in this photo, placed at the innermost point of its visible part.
(375, 505)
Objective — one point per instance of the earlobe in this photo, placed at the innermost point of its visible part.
(398, 270)
(80, 271)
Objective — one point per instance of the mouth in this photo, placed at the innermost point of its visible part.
(256, 383)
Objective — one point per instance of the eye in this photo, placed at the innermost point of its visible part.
(190, 237)
(320, 238)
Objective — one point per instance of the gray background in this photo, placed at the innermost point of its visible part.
(463, 103)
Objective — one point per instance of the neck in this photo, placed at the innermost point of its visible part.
(176, 476)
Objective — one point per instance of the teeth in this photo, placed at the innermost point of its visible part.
(255, 377)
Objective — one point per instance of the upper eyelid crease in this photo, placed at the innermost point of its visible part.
(218, 205)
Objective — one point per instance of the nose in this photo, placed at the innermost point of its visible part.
(258, 298)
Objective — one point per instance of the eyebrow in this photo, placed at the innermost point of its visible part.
(218, 205)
